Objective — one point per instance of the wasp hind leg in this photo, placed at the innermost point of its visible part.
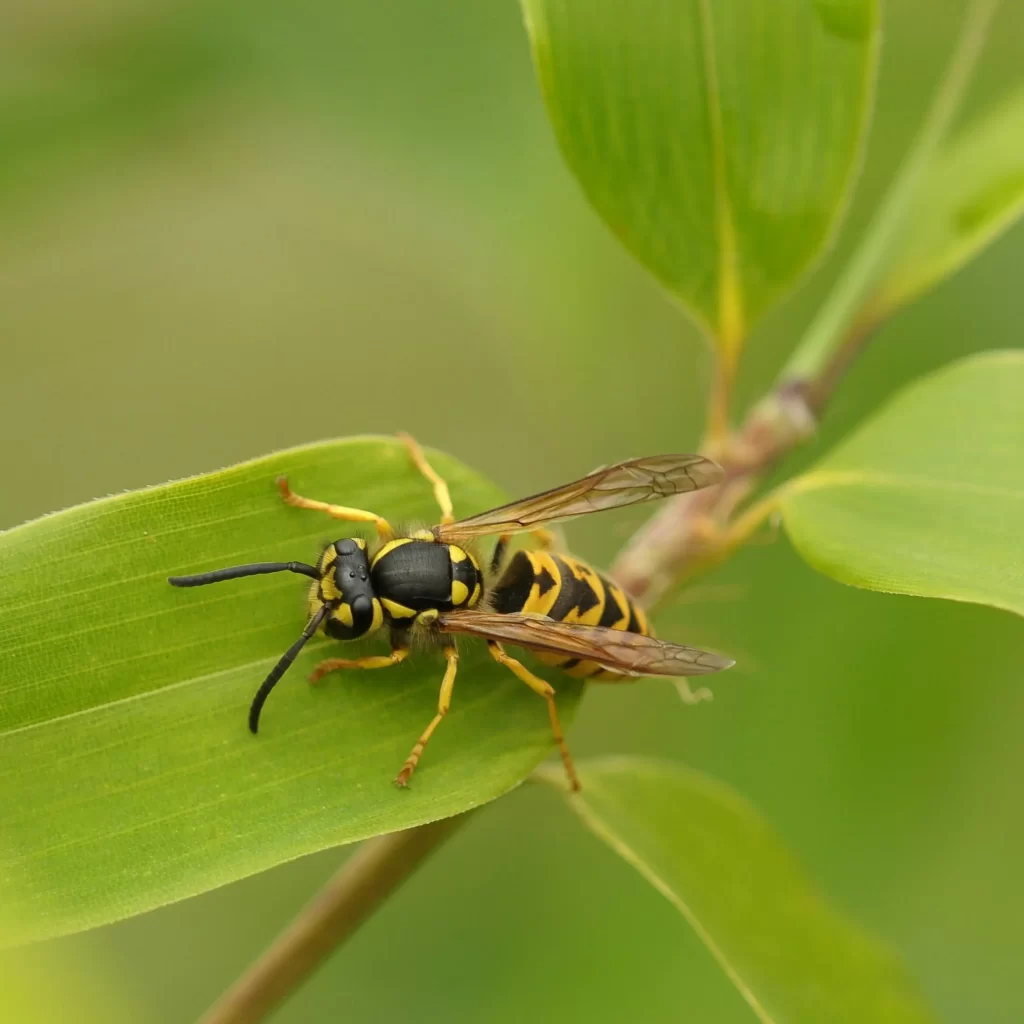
(351, 515)
(444, 701)
(545, 539)
(535, 683)
(441, 494)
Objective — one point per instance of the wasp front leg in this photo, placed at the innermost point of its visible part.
(396, 657)
(343, 512)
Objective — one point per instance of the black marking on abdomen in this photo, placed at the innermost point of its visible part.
(544, 580)
(613, 616)
(575, 594)
(512, 591)
(634, 622)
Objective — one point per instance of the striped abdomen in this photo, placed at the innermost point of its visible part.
(566, 589)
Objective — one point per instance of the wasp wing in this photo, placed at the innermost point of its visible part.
(625, 483)
(630, 653)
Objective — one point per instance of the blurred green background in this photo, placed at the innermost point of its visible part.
(192, 193)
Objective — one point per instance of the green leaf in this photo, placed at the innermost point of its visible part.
(129, 777)
(718, 140)
(792, 958)
(927, 498)
(850, 306)
(973, 192)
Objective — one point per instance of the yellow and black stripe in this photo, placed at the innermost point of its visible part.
(567, 590)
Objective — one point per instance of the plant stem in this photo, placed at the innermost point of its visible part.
(366, 879)
(719, 424)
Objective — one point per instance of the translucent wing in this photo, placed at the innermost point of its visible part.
(630, 653)
(625, 483)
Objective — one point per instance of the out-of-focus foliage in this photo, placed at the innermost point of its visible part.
(791, 957)
(973, 192)
(43, 987)
(926, 498)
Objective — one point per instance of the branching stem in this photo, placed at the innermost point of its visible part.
(680, 541)
(366, 879)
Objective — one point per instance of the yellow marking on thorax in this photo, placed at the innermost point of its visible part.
(378, 617)
(390, 546)
(460, 592)
(456, 554)
(396, 610)
(424, 535)
(475, 596)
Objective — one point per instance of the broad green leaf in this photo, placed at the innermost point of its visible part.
(973, 192)
(793, 958)
(928, 497)
(717, 138)
(128, 777)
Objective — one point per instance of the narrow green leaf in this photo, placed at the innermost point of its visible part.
(792, 958)
(973, 192)
(718, 140)
(850, 299)
(128, 777)
(927, 498)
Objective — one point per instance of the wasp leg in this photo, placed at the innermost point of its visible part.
(444, 499)
(545, 538)
(444, 702)
(538, 685)
(499, 553)
(352, 515)
(399, 654)
(692, 696)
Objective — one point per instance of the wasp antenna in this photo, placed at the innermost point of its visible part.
(280, 668)
(237, 571)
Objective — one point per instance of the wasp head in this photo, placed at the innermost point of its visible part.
(345, 587)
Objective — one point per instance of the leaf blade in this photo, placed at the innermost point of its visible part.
(926, 498)
(792, 958)
(129, 778)
(972, 194)
(717, 142)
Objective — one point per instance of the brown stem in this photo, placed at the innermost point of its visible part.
(719, 408)
(687, 536)
(366, 879)
(817, 392)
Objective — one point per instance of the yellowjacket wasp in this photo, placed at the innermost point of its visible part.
(426, 583)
